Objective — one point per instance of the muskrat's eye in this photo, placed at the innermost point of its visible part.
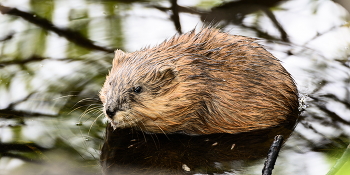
(138, 89)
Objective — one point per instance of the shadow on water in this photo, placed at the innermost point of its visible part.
(54, 56)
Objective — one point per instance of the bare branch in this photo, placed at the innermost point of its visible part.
(69, 34)
(175, 15)
(10, 112)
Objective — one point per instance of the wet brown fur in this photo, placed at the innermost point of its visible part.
(200, 83)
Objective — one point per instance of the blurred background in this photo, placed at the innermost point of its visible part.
(55, 54)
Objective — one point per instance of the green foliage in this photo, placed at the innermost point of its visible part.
(208, 4)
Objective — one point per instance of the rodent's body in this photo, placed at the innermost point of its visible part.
(204, 83)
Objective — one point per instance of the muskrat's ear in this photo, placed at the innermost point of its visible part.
(119, 55)
(166, 74)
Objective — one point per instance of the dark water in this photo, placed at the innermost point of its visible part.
(54, 56)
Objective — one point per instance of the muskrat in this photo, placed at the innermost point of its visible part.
(199, 83)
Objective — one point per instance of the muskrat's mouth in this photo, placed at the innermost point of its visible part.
(114, 124)
(122, 124)
(123, 120)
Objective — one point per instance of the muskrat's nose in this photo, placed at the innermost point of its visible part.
(110, 112)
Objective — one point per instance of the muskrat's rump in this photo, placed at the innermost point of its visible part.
(200, 83)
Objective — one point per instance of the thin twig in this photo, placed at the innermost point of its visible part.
(11, 113)
(175, 16)
(284, 35)
(35, 58)
(272, 155)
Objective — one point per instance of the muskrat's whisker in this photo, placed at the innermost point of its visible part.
(124, 123)
(75, 109)
(87, 111)
(95, 110)
(128, 120)
(94, 122)
(152, 134)
(65, 96)
(134, 120)
(162, 130)
(160, 127)
(82, 100)
(154, 140)
(68, 96)
(85, 99)
(79, 108)
(144, 136)
(143, 133)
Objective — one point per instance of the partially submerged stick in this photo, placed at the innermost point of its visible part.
(272, 155)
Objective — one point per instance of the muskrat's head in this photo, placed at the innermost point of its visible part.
(141, 93)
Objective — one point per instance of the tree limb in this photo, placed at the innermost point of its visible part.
(69, 34)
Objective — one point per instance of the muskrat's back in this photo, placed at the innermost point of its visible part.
(204, 83)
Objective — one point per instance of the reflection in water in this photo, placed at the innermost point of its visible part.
(49, 80)
(127, 151)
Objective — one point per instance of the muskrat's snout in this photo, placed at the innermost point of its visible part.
(110, 112)
(112, 109)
